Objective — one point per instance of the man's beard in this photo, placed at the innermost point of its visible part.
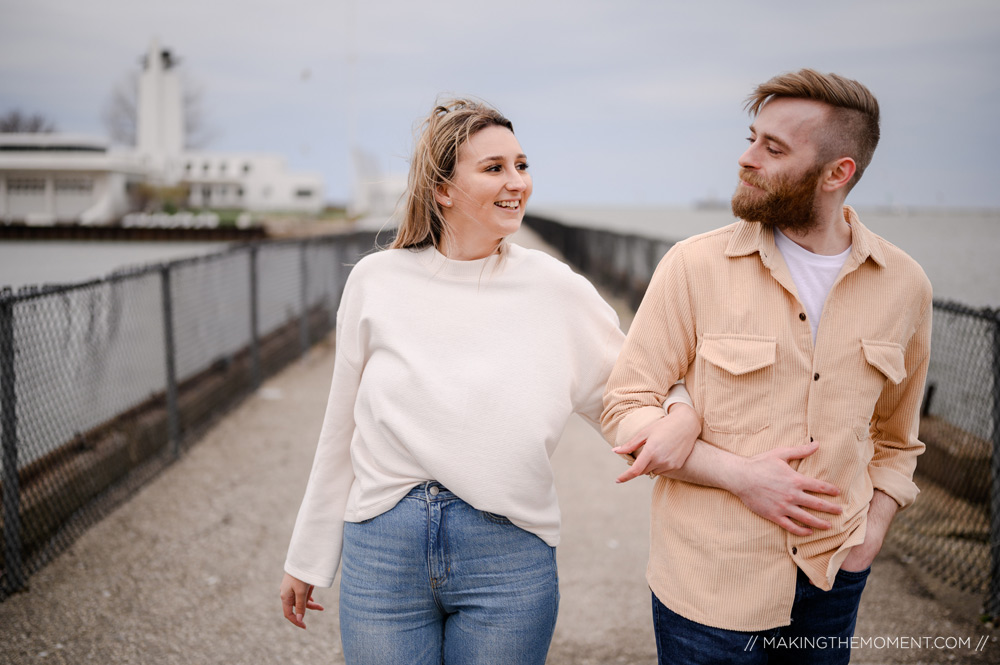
(787, 204)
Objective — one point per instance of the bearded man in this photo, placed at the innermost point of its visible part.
(803, 339)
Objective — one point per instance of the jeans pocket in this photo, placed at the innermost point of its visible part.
(494, 518)
(849, 576)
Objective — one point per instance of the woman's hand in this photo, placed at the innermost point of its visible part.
(666, 443)
(296, 598)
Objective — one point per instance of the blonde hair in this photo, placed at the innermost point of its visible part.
(439, 136)
(853, 130)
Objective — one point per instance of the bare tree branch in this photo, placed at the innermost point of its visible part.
(17, 122)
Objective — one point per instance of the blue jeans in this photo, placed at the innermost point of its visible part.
(820, 632)
(433, 580)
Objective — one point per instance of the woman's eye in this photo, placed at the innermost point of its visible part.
(495, 168)
(523, 166)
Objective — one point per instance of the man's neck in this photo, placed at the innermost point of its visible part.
(831, 236)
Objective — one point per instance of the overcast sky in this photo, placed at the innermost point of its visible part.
(615, 102)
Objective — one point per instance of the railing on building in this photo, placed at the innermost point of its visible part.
(103, 383)
(953, 529)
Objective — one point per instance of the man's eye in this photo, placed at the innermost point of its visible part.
(773, 151)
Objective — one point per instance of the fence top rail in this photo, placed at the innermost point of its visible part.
(9, 296)
(986, 313)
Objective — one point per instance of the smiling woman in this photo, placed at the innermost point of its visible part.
(460, 357)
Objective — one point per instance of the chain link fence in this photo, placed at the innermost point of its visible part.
(953, 529)
(103, 383)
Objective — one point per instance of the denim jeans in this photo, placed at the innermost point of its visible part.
(433, 580)
(820, 633)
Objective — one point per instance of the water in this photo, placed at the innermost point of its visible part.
(37, 262)
(959, 250)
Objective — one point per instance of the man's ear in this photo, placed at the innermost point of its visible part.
(838, 173)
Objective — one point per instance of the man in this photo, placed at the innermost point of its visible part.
(803, 339)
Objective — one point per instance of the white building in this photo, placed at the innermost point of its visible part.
(49, 178)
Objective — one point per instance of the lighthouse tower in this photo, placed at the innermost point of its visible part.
(160, 121)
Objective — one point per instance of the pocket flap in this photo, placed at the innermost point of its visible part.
(886, 357)
(739, 354)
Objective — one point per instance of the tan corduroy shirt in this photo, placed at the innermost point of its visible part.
(722, 312)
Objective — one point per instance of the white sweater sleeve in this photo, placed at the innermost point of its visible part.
(314, 552)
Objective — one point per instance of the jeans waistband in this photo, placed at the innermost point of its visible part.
(431, 490)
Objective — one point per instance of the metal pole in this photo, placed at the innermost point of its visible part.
(173, 413)
(255, 371)
(304, 298)
(993, 601)
(13, 564)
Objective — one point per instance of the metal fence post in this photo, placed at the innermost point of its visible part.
(173, 414)
(993, 601)
(304, 298)
(255, 371)
(13, 564)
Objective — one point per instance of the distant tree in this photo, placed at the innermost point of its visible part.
(121, 113)
(17, 122)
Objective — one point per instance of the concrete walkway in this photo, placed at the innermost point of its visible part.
(187, 571)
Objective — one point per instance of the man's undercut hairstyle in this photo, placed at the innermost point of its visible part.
(853, 126)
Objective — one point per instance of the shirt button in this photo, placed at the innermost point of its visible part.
(795, 550)
(434, 490)
(802, 316)
(815, 377)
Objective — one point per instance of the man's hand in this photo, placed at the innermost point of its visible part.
(770, 487)
(296, 598)
(881, 510)
(666, 443)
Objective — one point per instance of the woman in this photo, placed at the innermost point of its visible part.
(459, 359)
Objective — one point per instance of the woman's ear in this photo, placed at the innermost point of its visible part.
(443, 195)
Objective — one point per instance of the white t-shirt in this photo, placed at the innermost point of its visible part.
(813, 274)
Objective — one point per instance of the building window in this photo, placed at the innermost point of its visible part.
(246, 167)
(75, 185)
(239, 192)
(303, 193)
(187, 167)
(26, 185)
(222, 167)
(204, 167)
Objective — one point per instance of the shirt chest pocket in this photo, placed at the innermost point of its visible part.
(739, 382)
(883, 365)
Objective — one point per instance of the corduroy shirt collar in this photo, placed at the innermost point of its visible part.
(751, 237)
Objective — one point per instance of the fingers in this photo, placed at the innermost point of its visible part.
(288, 607)
(820, 505)
(300, 604)
(312, 604)
(637, 469)
(797, 452)
(631, 445)
(820, 487)
(790, 526)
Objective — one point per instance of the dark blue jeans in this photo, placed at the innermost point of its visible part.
(820, 633)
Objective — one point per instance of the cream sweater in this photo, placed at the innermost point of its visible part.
(463, 372)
